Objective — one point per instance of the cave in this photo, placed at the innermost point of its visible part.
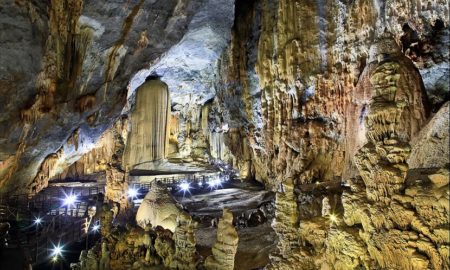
(224, 135)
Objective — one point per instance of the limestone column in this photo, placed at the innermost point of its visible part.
(149, 135)
(396, 112)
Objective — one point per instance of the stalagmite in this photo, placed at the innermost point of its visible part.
(286, 225)
(396, 113)
(225, 248)
(186, 257)
(149, 135)
(158, 209)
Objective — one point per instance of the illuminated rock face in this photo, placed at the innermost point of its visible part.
(225, 247)
(286, 225)
(429, 149)
(158, 209)
(80, 57)
(288, 80)
(149, 135)
(395, 114)
(186, 257)
(317, 105)
(385, 221)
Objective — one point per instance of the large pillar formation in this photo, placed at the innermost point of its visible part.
(149, 136)
(396, 113)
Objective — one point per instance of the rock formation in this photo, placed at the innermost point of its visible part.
(384, 222)
(225, 247)
(105, 259)
(340, 107)
(158, 209)
(285, 224)
(186, 257)
(149, 134)
(78, 50)
(429, 149)
(395, 114)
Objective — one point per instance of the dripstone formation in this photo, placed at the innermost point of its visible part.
(225, 247)
(322, 125)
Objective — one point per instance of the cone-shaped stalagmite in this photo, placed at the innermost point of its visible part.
(148, 138)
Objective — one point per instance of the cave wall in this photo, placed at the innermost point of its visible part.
(288, 78)
(66, 66)
(359, 184)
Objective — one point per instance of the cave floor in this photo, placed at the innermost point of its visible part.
(255, 243)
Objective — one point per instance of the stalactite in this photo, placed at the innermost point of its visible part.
(217, 146)
(204, 120)
(46, 171)
(149, 134)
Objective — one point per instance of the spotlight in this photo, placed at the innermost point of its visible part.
(55, 259)
(333, 218)
(184, 186)
(38, 221)
(57, 251)
(214, 183)
(132, 193)
(70, 199)
(95, 228)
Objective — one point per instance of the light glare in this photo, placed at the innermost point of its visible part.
(184, 186)
(38, 221)
(214, 183)
(57, 251)
(333, 218)
(70, 200)
(132, 193)
(96, 228)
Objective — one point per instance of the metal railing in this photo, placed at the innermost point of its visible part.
(55, 230)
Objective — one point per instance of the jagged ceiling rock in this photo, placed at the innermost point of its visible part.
(189, 67)
(65, 66)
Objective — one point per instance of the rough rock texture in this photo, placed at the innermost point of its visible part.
(158, 209)
(388, 220)
(186, 256)
(288, 79)
(297, 100)
(225, 247)
(430, 148)
(395, 113)
(285, 224)
(299, 83)
(104, 159)
(188, 67)
(80, 58)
